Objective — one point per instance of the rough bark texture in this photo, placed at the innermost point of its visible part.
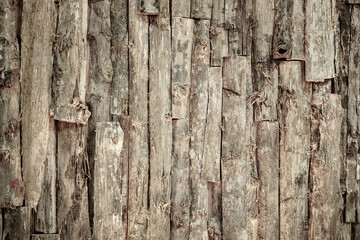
(179, 119)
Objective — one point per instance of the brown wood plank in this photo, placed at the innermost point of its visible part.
(138, 112)
(198, 105)
(119, 56)
(289, 35)
(16, 223)
(325, 198)
(45, 215)
(201, 9)
(295, 110)
(107, 181)
(212, 145)
(268, 159)
(37, 32)
(70, 63)
(319, 41)
(10, 150)
(45, 237)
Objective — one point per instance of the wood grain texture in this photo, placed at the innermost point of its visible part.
(294, 120)
(10, 141)
(319, 41)
(70, 63)
(45, 237)
(16, 223)
(138, 112)
(37, 33)
(201, 9)
(180, 8)
(268, 159)
(148, 7)
(289, 37)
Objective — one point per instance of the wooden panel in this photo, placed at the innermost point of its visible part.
(119, 56)
(182, 43)
(37, 31)
(70, 63)
(148, 7)
(319, 42)
(45, 237)
(294, 120)
(198, 111)
(138, 111)
(11, 183)
(212, 145)
(289, 38)
(16, 223)
(180, 8)
(45, 215)
(268, 159)
(325, 198)
(201, 9)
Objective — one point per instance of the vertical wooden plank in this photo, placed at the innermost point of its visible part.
(11, 183)
(214, 216)
(45, 237)
(70, 63)
(182, 42)
(36, 38)
(218, 34)
(180, 8)
(289, 35)
(119, 56)
(239, 20)
(72, 175)
(160, 127)
(138, 111)
(198, 107)
(17, 223)
(107, 181)
(264, 12)
(325, 197)
(294, 122)
(233, 165)
(201, 9)
(45, 215)
(319, 40)
(265, 94)
(212, 145)
(148, 7)
(268, 159)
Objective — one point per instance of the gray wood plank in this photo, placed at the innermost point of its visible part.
(17, 223)
(201, 9)
(180, 8)
(45, 237)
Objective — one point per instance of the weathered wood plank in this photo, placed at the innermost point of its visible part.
(160, 126)
(119, 56)
(37, 31)
(239, 21)
(182, 43)
(198, 112)
(294, 120)
(180, 8)
(268, 159)
(45, 215)
(70, 63)
(319, 40)
(212, 146)
(45, 237)
(214, 216)
(264, 12)
(72, 175)
(219, 45)
(107, 181)
(325, 198)
(233, 165)
(235, 74)
(11, 183)
(148, 7)
(16, 223)
(138, 112)
(289, 34)
(265, 94)
(201, 9)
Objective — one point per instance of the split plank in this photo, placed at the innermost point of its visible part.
(11, 183)
(201, 9)
(160, 126)
(107, 181)
(45, 237)
(138, 112)
(38, 28)
(289, 35)
(295, 110)
(198, 113)
(70, 63)
(212, 145)
(325, 198)
(319, 42)
(268, 159)
(180, 8)
(17, 223)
